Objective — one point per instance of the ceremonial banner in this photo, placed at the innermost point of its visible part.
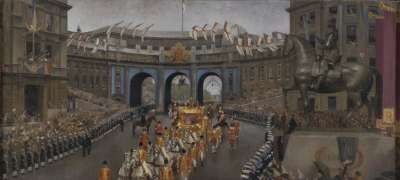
(388, 115)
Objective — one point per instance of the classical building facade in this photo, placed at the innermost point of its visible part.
(356, 33)
(119, 70)
(33, 68)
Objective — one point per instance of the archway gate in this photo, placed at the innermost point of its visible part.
(126, 81)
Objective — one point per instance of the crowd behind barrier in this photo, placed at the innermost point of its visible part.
(257, 166)
(250, 117)
(19, 162)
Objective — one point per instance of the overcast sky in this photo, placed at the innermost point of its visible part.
(257, 16)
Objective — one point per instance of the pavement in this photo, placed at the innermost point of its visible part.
(225, 164)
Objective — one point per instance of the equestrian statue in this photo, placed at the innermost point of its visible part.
(323, 72)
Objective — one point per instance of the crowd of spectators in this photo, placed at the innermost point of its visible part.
(334, 120)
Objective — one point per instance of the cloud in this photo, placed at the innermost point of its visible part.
(257, 16)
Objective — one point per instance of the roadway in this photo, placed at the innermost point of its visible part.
(225, 164)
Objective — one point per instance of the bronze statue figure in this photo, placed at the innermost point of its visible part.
(354, 77)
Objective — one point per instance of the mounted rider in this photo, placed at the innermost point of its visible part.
(327, 58)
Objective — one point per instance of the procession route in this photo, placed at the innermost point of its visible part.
(223, 165)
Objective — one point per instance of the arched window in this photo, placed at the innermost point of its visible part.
(77, 81)
(84, 81)
(91, 81)
(104, 81)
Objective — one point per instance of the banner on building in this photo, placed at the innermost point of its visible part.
(388, 115)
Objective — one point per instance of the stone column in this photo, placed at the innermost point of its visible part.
(160, 91)
(127, 84)
(109, 75)
(193, 82)
(224, 79)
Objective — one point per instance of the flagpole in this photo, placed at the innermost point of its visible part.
(182, 15)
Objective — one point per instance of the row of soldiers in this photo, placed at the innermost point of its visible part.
(47, 150)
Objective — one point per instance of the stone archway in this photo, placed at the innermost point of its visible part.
(200, 86)
(136, 85)
(168, 88)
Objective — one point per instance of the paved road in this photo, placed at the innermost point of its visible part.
(225, 164)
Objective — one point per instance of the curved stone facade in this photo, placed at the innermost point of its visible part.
(116, 71)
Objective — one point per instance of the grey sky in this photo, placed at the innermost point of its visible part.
(257, 16)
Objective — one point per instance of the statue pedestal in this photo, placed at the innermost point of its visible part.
(375, 152)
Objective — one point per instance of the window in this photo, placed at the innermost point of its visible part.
(230, 80)
(333, 10)
(371, 34)
(49, 22)
(92, 81)
(84, 80)
(312, 39)
(252, 73)
(311, 19)
(351, 59)
(373, 10)
(278, 72)
(97, 81)
(372, 62)
(351, 33)
(244, 74)
(288, 71)
(261, 73)
(29, 47)
(104, 81)
(351, 9)
(270, 73)
(49, 51)
(302, 19)
(32, 100)
(332, 23)
(76, 81)
(331, 103)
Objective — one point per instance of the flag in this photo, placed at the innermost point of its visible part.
(33, 26)
(183, 6)
(109, 31)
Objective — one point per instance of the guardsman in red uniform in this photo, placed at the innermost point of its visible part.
(105, 172)
(202, 150)
(194, 155)
(189, 160)
(214, 141)
(158, 128)
(183, 166)
(237, 127)
(166, 172)
(159, 141)
(142, 153)
(144, 139)
(232, 135)
(167, 134)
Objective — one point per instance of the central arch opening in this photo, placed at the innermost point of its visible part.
(177, 89)
(143, 90)
(209, 89)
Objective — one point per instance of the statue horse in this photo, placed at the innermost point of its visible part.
(354, 77)
(145, 121)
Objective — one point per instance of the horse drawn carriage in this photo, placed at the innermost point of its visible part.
(190, 128)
